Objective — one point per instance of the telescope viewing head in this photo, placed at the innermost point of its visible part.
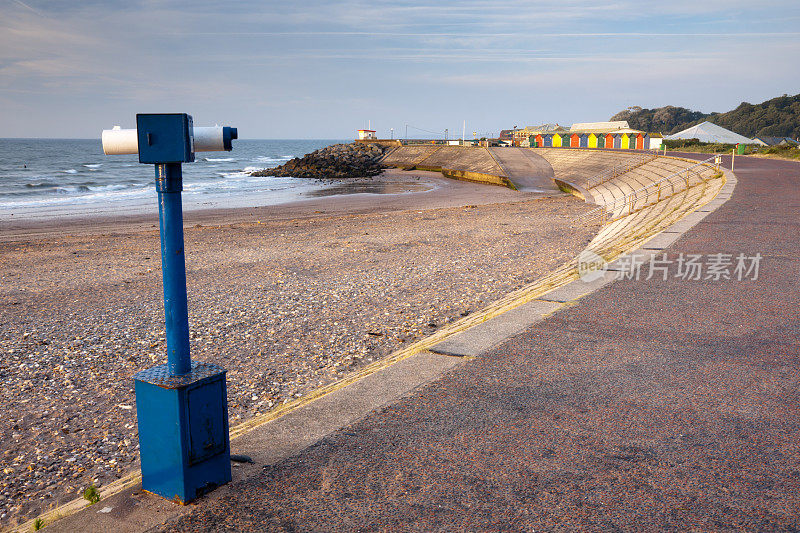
(167, 138)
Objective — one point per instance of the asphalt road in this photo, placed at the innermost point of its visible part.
(650, 405)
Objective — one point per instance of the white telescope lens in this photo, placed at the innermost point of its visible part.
(117, 141)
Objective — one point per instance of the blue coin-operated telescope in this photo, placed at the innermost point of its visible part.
(181, 406)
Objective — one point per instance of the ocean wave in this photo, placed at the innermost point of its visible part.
(66, 196)
(71, 190)
(115, 187)
(92, 188)
(237, 174)
(48, 187)
(240, 180)
(266, 159)
(68, 176)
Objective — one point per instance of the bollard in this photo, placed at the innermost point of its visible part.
(181, 406)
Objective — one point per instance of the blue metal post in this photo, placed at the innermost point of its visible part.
(169, 184)
(181, 406)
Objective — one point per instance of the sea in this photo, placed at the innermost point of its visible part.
(44, 178)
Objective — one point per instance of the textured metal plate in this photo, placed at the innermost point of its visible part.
(159, 375)
(207, 410)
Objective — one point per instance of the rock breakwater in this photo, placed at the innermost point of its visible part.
(338, 161)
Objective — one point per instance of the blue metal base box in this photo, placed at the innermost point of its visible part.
(183, 431)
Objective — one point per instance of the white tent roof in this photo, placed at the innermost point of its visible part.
(710, 133)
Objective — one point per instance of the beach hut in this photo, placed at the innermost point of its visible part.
(574, 141)
(609, 140)
(557, 141)
(595, 140)
(539, 141)
(625, 141)
(547, 139)
(655, 141)
(640, 141)
(617, 140)
(584, 140)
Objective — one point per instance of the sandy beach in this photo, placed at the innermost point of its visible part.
(286, 298)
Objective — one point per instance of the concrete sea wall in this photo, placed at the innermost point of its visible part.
(457, 162)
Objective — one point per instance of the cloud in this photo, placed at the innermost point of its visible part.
(355, 57)
(26, 6)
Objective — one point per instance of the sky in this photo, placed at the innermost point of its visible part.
(322, 70)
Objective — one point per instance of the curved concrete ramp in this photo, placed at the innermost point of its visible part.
(528, 171)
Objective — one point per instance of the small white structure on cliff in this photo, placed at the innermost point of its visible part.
(366, 134)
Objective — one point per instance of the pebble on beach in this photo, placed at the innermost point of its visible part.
(284, 304)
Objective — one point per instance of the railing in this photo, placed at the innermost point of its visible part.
(653, 193)
(619, 169)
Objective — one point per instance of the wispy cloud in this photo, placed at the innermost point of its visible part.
(26, 6)
(321, 62)
(738, 35)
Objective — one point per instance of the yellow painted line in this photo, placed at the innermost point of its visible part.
(72, 507)
(514, 299)
(558, 278)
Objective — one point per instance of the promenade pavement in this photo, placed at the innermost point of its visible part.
(650, 404)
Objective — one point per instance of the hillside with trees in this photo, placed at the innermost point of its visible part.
(778, 117)
(659, 120)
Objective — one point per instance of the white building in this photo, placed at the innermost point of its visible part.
(606, 127)
(366, 134)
